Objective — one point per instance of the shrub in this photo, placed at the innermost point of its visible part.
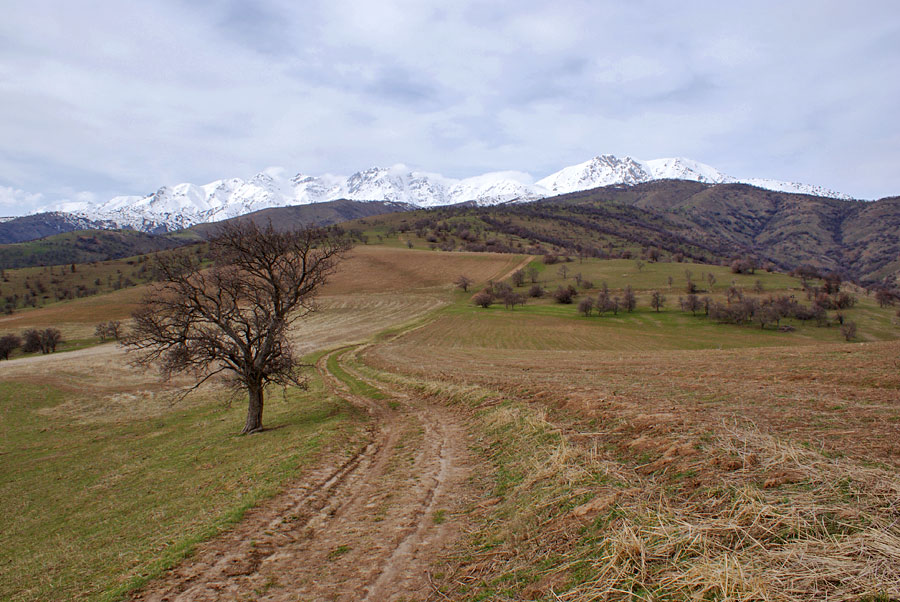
(564, 294)
(32, 341)
(484, 299)
(744, 265)
(8, 344)
(536, 291)
(848, 329)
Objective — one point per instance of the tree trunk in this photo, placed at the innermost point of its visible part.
(254, 409)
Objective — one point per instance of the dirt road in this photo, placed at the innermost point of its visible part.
(367, 527)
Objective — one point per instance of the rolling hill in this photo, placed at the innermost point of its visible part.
(88, 244)
(707, 222)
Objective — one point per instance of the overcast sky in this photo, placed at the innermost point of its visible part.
(105, 98)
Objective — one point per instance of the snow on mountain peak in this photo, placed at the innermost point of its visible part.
(182, 205)
(679, 168)
(602, 170)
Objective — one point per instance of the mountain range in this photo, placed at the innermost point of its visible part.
(175, 207)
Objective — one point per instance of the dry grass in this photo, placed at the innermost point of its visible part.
(744, 474)
(376, 269)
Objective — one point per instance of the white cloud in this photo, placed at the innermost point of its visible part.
(14, 201)
(121, 98)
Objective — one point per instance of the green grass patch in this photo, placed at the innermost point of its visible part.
(93, 509)
(338, 552)
(356, 386)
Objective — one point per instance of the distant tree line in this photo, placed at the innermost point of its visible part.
(738, 308)
(31, 341)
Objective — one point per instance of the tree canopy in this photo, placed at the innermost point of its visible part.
(233, 317)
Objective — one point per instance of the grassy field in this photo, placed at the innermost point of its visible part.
(104, 497)
(648, 455)
(660, 456)
(108, 479)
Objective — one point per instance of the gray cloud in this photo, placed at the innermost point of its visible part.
(120, 98)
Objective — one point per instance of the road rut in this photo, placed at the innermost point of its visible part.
(367, 528)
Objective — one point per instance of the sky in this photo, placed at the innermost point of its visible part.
(99, 99)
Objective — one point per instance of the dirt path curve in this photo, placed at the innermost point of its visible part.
(366, 528)
(520, 266)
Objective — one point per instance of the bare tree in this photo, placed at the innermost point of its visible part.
(848, 329)
(657, 300)
(463, 282)
(563, 272)
(692, 304)
(629, 301)
(512, 298)
(518, 277)
(639, 265)
(109, 330)
(50, 338)
(233, 318)
(586, 306)
(533, 272)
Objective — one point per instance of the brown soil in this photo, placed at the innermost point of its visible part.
(366, 527)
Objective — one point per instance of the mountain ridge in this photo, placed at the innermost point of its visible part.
(184, 205)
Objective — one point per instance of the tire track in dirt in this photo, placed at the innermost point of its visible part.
(368, 529)
(520, 266)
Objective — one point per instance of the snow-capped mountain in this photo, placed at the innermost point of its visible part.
(608, 170)
(182, 205)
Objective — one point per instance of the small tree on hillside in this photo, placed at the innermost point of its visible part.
(464, 283)
(512, 298)
(518, 277)
(8, 344)
(50, 338)
(657, 300)
(629, 301)
(848, 329)
(692, 304)
(886, 296)
(31, 341)
(533, 272)
(483, 299)
(564, 294)
(586, 306)
(109, 330)
(234, 317)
